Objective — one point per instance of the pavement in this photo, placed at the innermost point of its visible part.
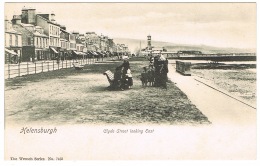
(232, 134)
(218, 107)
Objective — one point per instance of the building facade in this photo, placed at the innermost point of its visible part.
(52, 30)
(13, 44)
(73, 48)
(34, 42)
(41, 38)
(64, 43)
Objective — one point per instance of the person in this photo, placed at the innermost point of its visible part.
(129, 78)
(156, 71)
(150, 75)
(57, 59)
(144, 77)
(125, 66)
(151, 61)
(117, 78)
(163, 72)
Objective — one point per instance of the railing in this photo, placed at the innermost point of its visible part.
(25, 68)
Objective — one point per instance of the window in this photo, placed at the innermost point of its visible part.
(16, 40)
(43, 42)
(10, 39)
(40, 42)
(29, 41)
(51, 42)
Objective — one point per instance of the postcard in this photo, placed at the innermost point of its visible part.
(129, 81)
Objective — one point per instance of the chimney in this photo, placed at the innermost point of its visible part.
(52, 17)
(24, 15)
(63, 27)
(16, 19)
(31, 16)
(7, 24)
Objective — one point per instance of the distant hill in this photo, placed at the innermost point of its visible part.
(134, 45)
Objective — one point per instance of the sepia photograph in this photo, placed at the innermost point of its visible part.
(130, 81)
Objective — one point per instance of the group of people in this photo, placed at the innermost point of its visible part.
(123, 78)
(156, 74)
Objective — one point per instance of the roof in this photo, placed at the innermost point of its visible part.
(12, 31)
(157, 48)
(39, 34)
(15, 17)
(48, 21)
(64, 30)
(38, 27)
(36, 33)
(24, 8)
(156, 52)
(27, 25)
(29, 8)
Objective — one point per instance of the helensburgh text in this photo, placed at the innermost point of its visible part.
(29, 130)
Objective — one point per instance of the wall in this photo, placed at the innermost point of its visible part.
(7, 40)
(72, 42)
(31, 16)
(44, 24)
(25, 34)
(41, 42)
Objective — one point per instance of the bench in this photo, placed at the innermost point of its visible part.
(110, 77)
(77, 66)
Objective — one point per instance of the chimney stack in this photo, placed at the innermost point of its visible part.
(7, 24)
(52, 17)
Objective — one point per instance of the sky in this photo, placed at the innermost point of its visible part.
(213, 24)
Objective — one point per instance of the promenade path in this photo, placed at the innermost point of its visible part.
(218, 107)
(232, 134)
